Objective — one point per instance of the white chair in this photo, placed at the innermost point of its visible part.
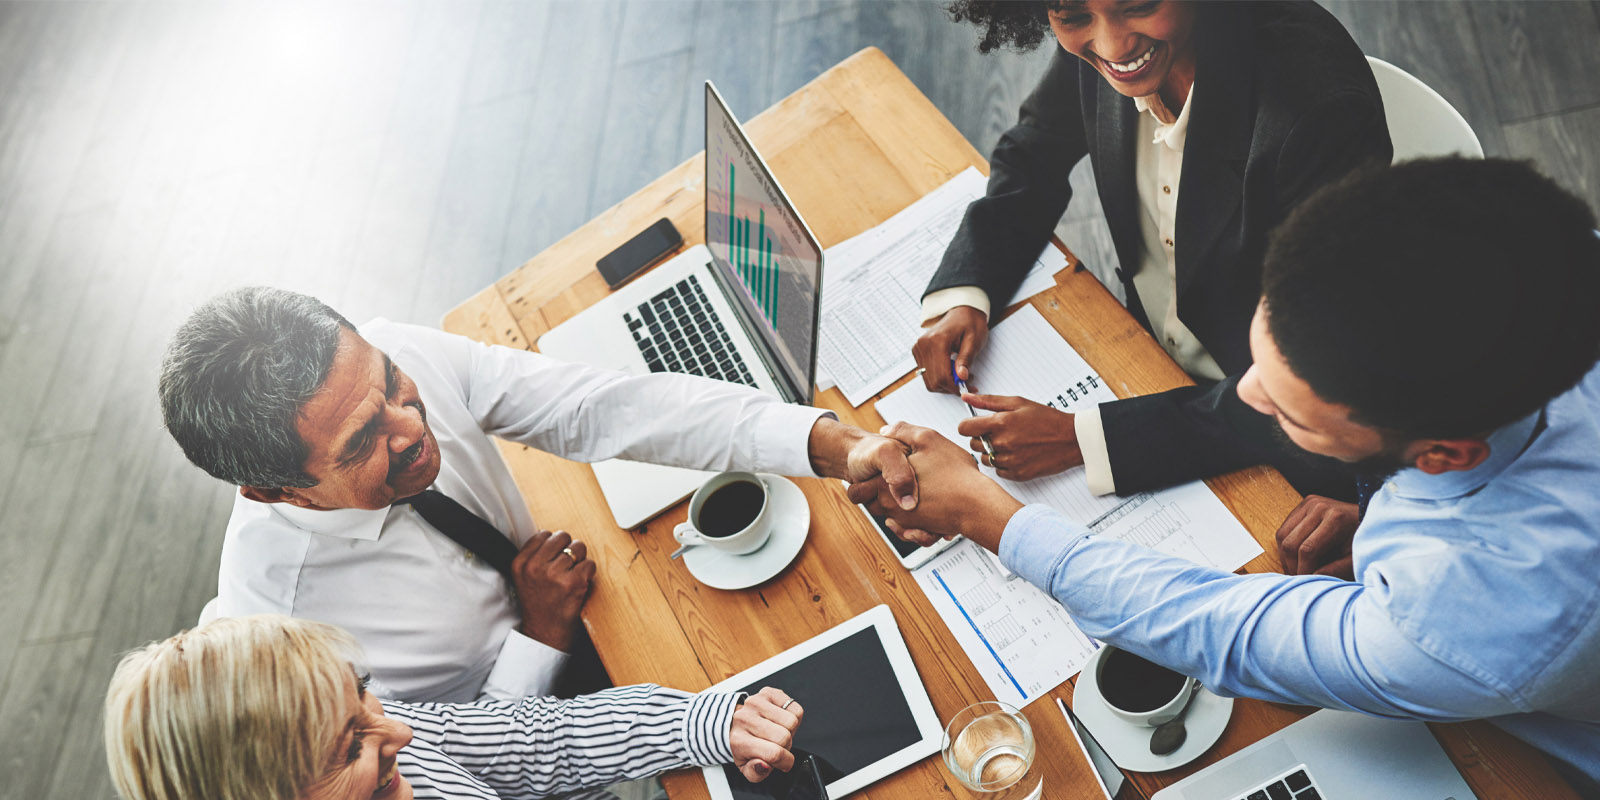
(1421, 123)
(209, 612)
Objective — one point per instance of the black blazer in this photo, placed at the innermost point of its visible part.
(1283, 102)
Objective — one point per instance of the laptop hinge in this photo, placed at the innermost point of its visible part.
(780, 376)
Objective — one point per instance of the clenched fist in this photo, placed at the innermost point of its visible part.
(553, 576)
(763, 734)
(1316, 538)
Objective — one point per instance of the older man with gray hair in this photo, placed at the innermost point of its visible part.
(371, 495)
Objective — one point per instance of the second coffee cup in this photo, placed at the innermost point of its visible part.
(728, 512)
(1139, 691)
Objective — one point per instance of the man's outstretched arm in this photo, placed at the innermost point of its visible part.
(1310, 640)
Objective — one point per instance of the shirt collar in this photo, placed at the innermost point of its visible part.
(345, 523)
(1505, 445)
(1173, 135)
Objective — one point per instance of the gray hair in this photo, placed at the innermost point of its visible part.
(236, 376)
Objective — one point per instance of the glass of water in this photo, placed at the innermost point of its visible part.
(989, 747)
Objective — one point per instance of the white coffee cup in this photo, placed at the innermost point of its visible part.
(1166, 712)
(747, 539)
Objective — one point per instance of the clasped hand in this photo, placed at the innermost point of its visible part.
(954, 498)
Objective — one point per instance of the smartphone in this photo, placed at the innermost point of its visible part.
(1105, 770)
(801, 782)
(911, 554)
(639, 253)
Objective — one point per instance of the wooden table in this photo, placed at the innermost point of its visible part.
(852, 148)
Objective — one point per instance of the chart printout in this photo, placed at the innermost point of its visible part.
(1025, 356)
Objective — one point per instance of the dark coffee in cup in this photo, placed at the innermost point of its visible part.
(730, 509)
(1135, 684)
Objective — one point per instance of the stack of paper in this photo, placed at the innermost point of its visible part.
(1018, 637)
(872, 289)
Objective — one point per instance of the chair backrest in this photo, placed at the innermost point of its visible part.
(1421, 123)
(208, 612)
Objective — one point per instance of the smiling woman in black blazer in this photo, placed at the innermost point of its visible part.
(1245, 109)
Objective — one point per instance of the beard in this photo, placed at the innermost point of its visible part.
(1378, 466)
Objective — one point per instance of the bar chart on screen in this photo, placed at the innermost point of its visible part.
(750, 251)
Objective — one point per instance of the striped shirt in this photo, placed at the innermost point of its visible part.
(542, 746)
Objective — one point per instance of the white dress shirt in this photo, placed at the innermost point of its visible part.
(1158, 166)
(436, 623)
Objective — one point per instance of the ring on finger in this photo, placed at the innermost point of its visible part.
(785, 706)
(567, 551)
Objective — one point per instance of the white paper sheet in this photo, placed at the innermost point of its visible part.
(1019, 638)
(1025, 356)
(872, 289)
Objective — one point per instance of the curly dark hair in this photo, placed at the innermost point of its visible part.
(1016, 24)
(1437, 298)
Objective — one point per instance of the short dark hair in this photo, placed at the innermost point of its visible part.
(236, 376)
(1015, 24)
(1437, 298)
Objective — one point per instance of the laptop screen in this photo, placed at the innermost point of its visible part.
(761, 245)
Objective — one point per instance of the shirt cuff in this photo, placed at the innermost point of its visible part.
(1092, 443)
(1036, 540)
(937, 303)
(525, 668)
(788, 450)
(707, 726)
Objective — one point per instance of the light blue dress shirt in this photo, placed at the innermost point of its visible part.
(1478, 595)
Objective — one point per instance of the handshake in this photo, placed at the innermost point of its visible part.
(927, 486)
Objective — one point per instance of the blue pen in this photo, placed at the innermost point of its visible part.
(962, 386)
(965, 390)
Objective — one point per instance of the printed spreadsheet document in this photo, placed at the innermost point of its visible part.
(872, 289)
(1019, 638)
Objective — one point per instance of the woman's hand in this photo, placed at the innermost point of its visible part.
(959, 332)
(763, 733)
(1029, 439)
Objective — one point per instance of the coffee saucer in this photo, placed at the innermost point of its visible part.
(791, 524)
(1129, 744)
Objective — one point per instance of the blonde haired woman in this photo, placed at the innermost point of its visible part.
(272, 707)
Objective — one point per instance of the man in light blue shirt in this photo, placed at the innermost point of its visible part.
(1437, 323)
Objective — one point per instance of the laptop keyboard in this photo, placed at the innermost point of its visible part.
(676, 331)
(1294, 785)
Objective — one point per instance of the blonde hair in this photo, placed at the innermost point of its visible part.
(247, 707)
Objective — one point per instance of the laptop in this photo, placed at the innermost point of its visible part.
(742, 307)
(1331, 755)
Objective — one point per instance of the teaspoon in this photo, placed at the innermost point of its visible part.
(1170, 735)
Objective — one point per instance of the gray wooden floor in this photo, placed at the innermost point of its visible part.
(392, 158)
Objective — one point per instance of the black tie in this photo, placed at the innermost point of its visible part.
(466, 529)
(584, 674)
